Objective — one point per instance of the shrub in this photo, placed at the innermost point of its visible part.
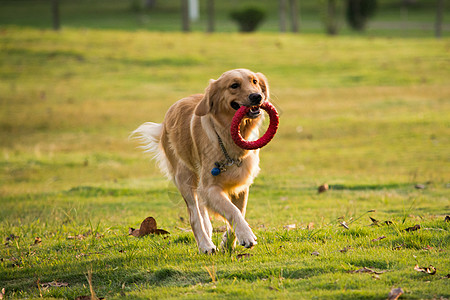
(359, 11)
(248, 18)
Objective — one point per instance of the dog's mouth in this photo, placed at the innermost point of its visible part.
(253, 113)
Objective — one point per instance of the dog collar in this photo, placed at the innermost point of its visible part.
(221, 166)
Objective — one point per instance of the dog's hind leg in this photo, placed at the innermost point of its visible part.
(186, 182)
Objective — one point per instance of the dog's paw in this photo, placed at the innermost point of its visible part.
(246, 238)
(208, 249)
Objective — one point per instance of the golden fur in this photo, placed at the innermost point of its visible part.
(187, 147)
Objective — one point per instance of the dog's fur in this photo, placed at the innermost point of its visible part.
(186, 146)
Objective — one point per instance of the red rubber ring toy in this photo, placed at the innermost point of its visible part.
(262, 141)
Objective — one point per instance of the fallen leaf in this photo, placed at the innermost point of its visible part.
(310, 226)
(148, 226)
(160, 231)
(430, 270)
(315, 253)
(323, 188)
(345, 249)
(243, 255)
(37, 240)
(375, 222)
(379, 238)
(413, 228)
(289, 227)
(395, 293)
(367, 270)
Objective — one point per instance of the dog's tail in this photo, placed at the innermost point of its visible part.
(149, 135)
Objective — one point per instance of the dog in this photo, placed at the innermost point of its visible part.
(195, 137)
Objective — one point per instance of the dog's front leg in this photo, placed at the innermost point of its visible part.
(218, 201)
(229, 238)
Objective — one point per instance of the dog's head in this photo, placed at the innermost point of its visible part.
(232, 90)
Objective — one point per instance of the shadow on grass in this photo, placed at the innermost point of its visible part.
(370, 187)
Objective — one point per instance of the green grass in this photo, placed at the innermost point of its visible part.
(368, 116)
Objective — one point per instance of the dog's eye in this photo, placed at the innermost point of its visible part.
(234, 85)
(255, 81)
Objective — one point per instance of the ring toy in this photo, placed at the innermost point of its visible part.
(262, 141)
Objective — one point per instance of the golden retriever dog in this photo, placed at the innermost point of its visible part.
(195, 137)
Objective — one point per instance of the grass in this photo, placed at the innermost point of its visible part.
(368, 116)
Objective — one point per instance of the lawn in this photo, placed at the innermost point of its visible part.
(369, 116)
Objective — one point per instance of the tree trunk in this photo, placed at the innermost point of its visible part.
(439, 17)
(282, 15)
(55, 15)
(331, 19)
(211, 16)
(185, 15)
(294, 15)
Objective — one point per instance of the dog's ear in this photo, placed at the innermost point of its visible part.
(263, 84)
(207, 103)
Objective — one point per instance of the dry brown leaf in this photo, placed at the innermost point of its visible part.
(395, 293)
(323, 188)
(379, 238)
(148, 226)
(413, 228)
(375, 222)
(430, 270)
(243, 255)
(345, 249)
(310, 226)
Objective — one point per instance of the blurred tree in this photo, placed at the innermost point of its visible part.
(248, 18)
(439, 17)
(331, 22)
(282, 11)
(359, 11)
(294, 15)
(149, 4)
(211, 16)
(185, 15)
(56, 15)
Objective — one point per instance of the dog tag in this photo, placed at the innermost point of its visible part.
(215, 171)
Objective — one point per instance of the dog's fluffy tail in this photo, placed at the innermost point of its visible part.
(149, 135)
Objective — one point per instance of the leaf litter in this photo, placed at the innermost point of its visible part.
(427, 270)
(148, 226)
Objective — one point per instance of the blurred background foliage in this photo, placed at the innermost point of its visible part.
(387, 17)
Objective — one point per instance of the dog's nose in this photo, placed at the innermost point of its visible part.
(255, 98)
